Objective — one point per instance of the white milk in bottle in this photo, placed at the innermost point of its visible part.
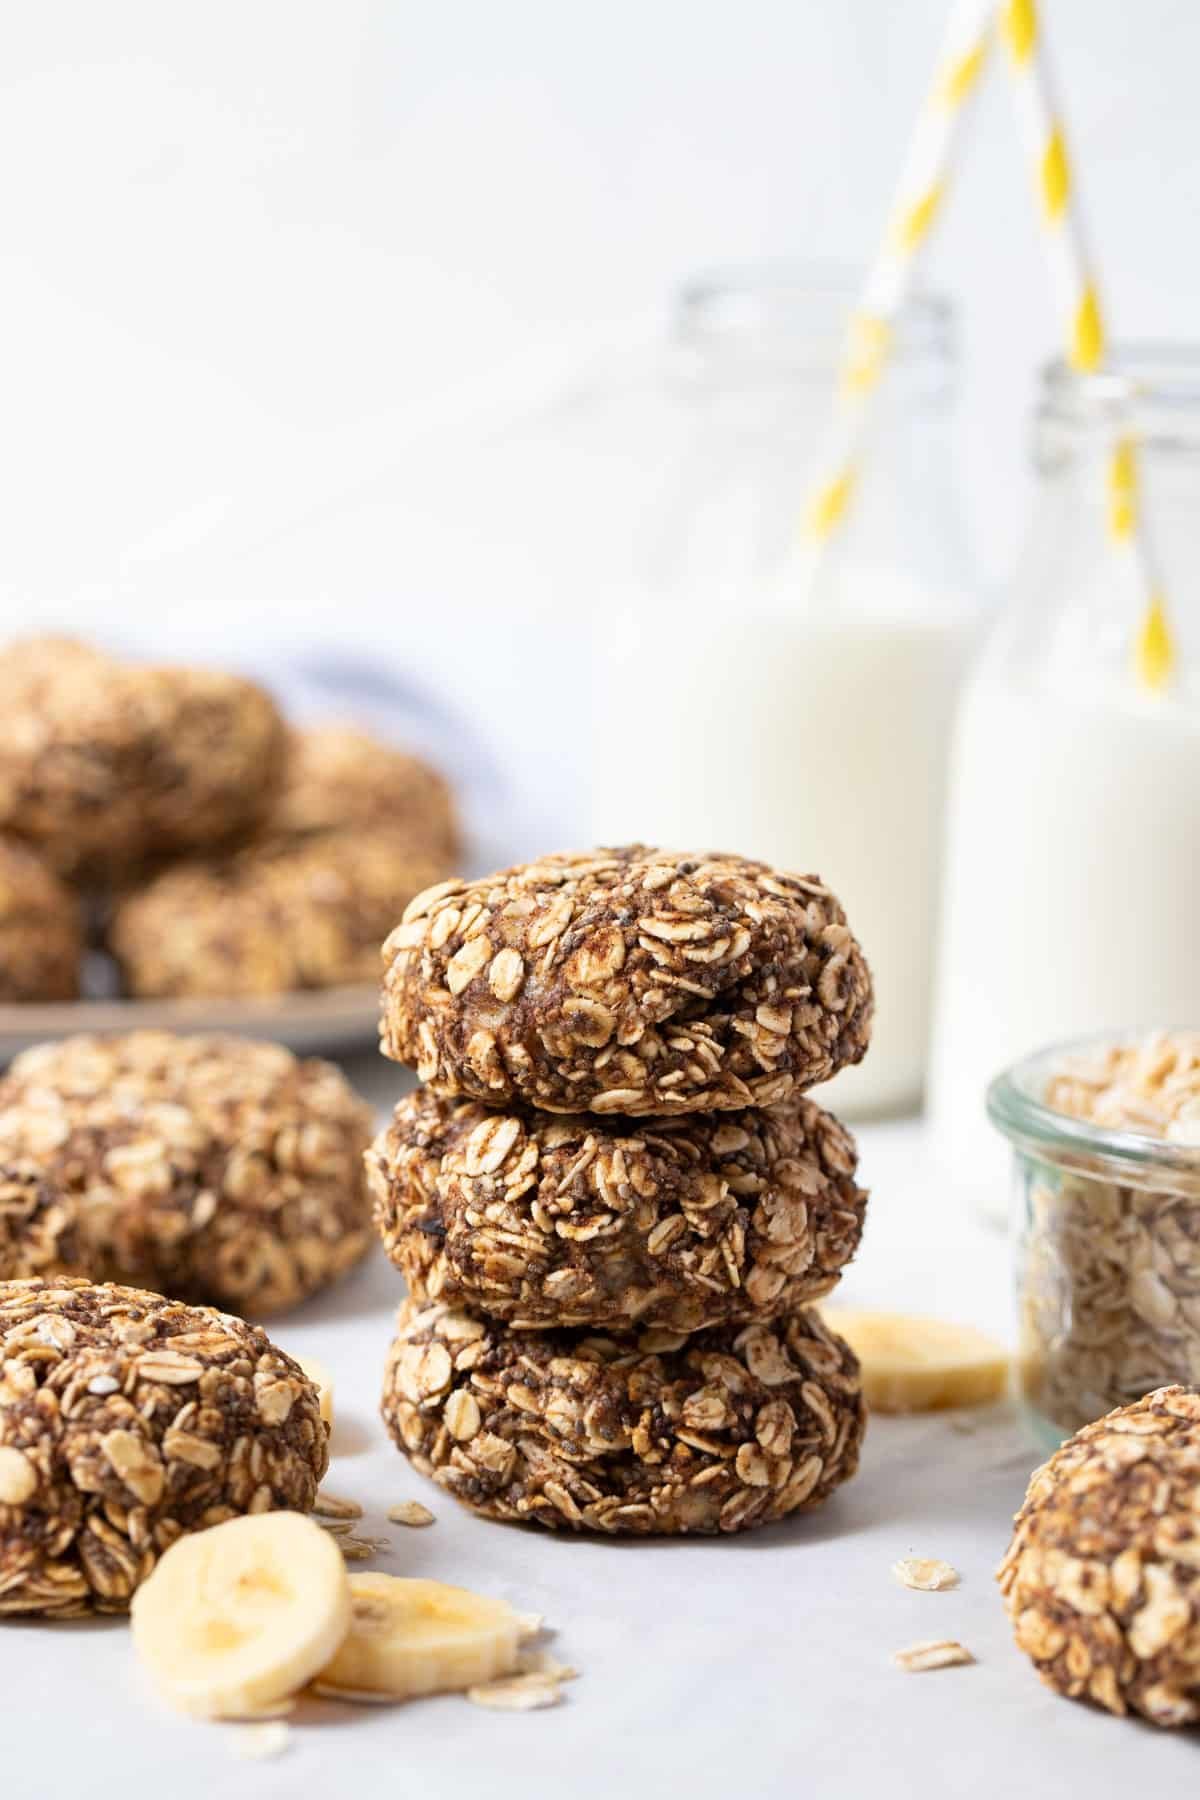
(1073, 888)
(818, 742)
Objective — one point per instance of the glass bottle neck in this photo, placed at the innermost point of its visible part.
(752, 375)
(1084, 587)
(780, 330)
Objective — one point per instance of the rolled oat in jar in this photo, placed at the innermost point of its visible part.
(1106, 1141)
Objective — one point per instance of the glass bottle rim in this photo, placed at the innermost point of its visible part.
(799, 310)
(1156, 383)
(1017, 1109)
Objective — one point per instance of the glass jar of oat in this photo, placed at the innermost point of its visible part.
(1106, 1142)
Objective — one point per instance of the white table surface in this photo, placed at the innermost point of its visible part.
(749, 1666)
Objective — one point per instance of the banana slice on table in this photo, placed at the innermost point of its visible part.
(921, 1365)
(322, 1380)
(410, 1637)
(236, 1618)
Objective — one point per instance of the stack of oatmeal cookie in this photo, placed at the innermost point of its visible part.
(612, 1201)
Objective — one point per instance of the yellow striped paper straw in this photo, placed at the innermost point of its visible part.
(1073, 272)
(914, 211)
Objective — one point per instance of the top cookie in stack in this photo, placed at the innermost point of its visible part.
(614, 1139)
(628, 981)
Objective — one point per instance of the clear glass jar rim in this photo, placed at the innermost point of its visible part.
(1016, 1108)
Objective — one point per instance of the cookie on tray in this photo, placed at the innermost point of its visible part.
(41, 930)
(662, 1433)
(106, 767)
(547, 1219)
(270, 920)
(627, 981)
(68, 757)
(338, 775)
(127, 1420)
(213, 1169)
(212, 757)
(1102, 1578)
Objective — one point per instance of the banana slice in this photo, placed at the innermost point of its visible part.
(921, 1365)
(411, 1637)
(236, 1618)
(322, 1380)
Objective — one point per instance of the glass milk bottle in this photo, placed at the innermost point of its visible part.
(1072, 898)
(736, 711)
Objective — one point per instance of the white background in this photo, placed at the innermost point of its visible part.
(250, 254)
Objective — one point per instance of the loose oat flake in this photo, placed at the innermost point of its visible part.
(258, 1743)
(361, 1549)
(410, 1512)
(926, 1574)
(540, 1662)
(329, 1506)
(517, 1693)
(939, 1653)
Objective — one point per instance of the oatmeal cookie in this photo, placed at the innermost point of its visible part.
(206, 928)
(1102, 1579)
(662, 1433)
(107, 768)
(212, 1169)
(127, 1420)
(271, 920)
(337, 776)
(548, 1219)
(41, 931)
(212, 757)
(68, 757)
(627, 981)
